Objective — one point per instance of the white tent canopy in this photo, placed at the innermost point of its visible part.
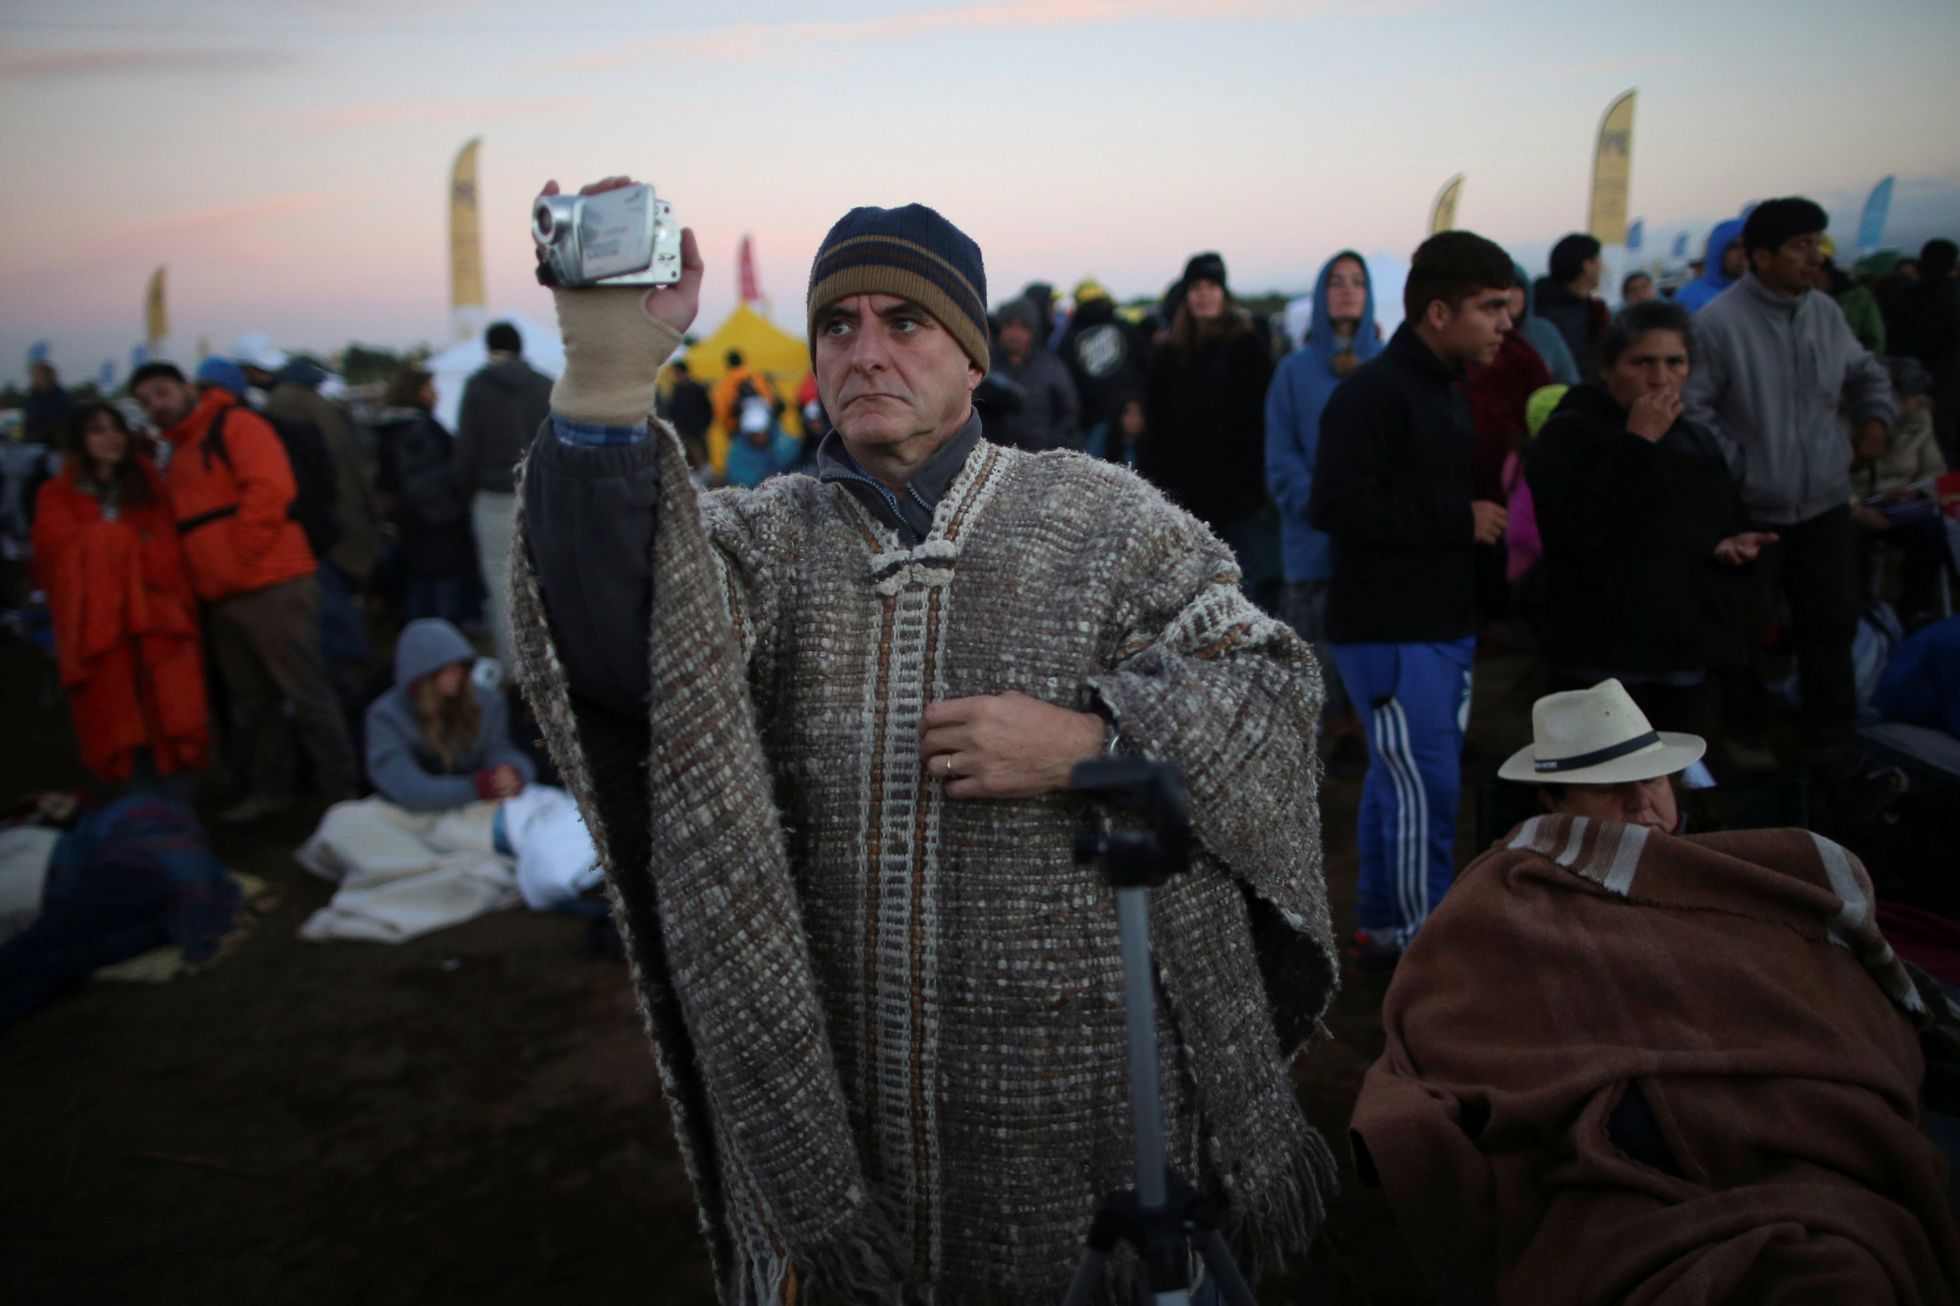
(453, 367)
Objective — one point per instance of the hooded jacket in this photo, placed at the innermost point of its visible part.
(1713, 281)
(1302, 384)
(1105, 356)
(232, 511)
(503, 405)
(401, 765)
(1771, 375)
(1042, 412)
(1544, 337)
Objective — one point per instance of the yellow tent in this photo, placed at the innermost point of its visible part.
(765, 348)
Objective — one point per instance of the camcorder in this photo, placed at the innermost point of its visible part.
(624, 237)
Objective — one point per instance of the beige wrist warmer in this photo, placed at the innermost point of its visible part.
(613, 355)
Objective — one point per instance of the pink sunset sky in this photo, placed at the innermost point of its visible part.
(289, 163)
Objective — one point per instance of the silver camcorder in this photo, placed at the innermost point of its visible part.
(624, 237)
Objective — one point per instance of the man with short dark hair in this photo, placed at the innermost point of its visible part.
(503, 404)
(1777, 364)
(1565, 298)
(1392, 487)
(822, 729)
(1636, 288)
(249, 562)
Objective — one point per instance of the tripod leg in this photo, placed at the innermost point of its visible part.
(1233, 1290)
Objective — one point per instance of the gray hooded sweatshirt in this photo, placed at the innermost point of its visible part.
(402, 767)
(1770, 375)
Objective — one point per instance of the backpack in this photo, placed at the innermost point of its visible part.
(313, 505)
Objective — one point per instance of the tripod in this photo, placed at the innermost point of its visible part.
(1162, 1217)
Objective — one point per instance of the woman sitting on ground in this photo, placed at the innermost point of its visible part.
(1639, 516)
(440, 753)
(125, 616)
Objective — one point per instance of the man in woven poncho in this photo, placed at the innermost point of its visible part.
(821, 730)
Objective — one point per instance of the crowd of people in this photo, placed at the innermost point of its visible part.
(1275, 550)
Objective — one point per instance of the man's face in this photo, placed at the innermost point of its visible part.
(1474, 330)
(889, 373)
(1347, 291)
(1637, 802)
(1640, 290)
(1656, 361)
(165, 402)
(1016, 338)
(1791, 268)
(1734, 261)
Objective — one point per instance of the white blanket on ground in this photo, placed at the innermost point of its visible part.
(402, 874)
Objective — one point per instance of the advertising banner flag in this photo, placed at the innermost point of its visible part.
(1612, 168)
(1871, 224)
(1442, 214)
(466, 301)
(156, 318)
(1637, 233)
(751, 288)
(1681, 245)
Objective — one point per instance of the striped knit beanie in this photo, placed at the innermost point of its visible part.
(912, 253)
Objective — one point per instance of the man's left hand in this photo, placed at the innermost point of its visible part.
(1006, 745)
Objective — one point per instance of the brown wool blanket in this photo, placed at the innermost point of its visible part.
(1629, 1068)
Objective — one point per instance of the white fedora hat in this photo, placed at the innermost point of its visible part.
(1597, 736)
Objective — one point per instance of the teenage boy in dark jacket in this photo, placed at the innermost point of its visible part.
(1392, 488)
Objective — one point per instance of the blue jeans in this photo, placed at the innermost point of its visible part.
(1416, 700)
(343, 631)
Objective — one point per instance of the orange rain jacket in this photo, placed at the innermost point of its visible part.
(232, 515)
(125, 628)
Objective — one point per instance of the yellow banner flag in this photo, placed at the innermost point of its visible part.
(1442, 213)
(156, 319)
(465, 240)
(1612, 166)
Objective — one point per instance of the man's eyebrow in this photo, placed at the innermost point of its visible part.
(837, 311)
(904, 308)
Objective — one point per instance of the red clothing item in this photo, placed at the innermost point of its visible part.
(1497, 393)
(125, 628)
(232, 517)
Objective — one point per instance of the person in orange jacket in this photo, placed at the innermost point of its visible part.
(249, 561)
(739, 382)
(125, 617)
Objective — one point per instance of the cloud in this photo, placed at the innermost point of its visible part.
(59, 65)
(748, 40)
(239, 225)
(410, 113)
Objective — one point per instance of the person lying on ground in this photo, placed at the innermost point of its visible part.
(1698, 1078)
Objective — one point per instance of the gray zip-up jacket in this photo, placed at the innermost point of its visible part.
(1770, 376)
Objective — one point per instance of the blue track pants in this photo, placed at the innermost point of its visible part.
(1415, 699)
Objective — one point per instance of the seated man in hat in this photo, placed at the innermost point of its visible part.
(821, 732)
(1628, 1066)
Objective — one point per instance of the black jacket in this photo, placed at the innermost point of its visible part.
(503, 406)
(1204, 439)
(1392, 489)
(1106, 357)
(1630, 528)
(1579, 318)
(430, 511)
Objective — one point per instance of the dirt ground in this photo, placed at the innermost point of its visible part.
(472, 1117)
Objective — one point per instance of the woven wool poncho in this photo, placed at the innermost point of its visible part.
(890, 1024)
